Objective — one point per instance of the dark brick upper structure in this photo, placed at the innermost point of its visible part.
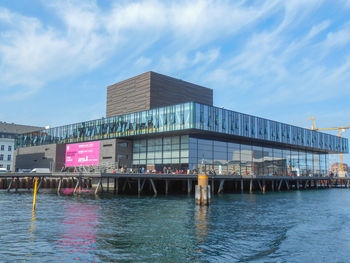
(153, 90)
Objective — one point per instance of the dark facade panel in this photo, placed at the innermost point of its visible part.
(167, 91)
(107, 152)
(128, 96)
(45, 156)
(115, 153)
(153, 90)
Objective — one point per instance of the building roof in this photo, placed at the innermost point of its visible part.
(17, 128)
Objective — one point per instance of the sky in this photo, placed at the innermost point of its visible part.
(277, 59)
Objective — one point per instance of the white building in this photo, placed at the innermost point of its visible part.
(8, 132)
(6, 153)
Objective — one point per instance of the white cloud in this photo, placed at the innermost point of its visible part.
(33, 54)
(174, 37)
(316, 29)
(142, 62)
(338, 38)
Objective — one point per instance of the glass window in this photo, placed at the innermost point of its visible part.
(316, 164)
(9, 157)
(184, 139)
(1, 157)
(150, 155)
(175, 140)
(294, 163)
(8, 167)
(175, 160)
(175, 154)
(257, 165)
(2, 147)
(323, 165)
(167, 140)
(268, 161)
(205, 152)
(302, 163)
(246, 159)
(220, 158)
(219, 146)
(234, 158)
(158, 153)
(184, 160)
(166, 154)
(286, 155)
(167, 147)
(10, 148)
(123, 144)
(309, 163)
(279, 161)
(184, 153)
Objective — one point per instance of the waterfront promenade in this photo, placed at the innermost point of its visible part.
(147, 183)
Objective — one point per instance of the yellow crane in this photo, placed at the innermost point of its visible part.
(340, 134)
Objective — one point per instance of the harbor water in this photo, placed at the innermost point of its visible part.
(299, 226)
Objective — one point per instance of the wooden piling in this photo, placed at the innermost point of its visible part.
(59, 186)
(189, 186)
(287, 184)
(273, 185)
(98, 186)
(166, 186)
(10, 185)
(221, 186)
(280, 185)
(153, 186)
(138, 186)
(115, 190)
(264, 187)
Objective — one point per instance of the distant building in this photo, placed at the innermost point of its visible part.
(8, 132)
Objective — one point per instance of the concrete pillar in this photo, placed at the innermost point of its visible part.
(202, 190)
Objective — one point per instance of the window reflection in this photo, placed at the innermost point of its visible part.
(228, 158)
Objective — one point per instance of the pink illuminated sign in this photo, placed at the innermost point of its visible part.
(86, 153)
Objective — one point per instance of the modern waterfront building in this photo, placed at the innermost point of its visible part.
(181, 132)
(8, 132)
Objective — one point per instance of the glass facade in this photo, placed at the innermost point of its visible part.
(197, 117)
(162, 151)
(214, 119)
(247, 160)
(166, 119)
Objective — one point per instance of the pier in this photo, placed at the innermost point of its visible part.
(154, 184)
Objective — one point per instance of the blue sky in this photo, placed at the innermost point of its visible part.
(282, 60)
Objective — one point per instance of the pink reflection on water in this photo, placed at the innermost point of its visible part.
(79, 228)
(69, 191)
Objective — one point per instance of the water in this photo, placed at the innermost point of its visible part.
(306, 226)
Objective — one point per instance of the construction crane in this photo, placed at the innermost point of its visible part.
(339, 134)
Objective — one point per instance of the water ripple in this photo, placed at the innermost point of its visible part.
(305, 226)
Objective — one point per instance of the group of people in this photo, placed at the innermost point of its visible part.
(165, 170)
